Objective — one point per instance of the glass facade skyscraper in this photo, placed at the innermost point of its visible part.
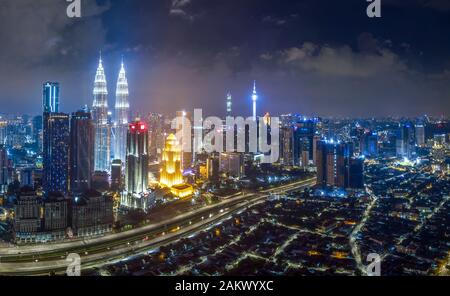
(121, 121)
(100, 117)
(4, 169)
(82, 137)
(50, 97)
(56, 153)
(303, 135)
(3, 131)
(137, 158)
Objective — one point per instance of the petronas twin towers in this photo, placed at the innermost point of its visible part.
(110, 135)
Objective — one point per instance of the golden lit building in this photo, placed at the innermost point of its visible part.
(171, 171)
(267, 119)
(203, 172)
(182, 190)
(171, 174)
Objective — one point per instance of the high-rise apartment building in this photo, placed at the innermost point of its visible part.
(337, 167)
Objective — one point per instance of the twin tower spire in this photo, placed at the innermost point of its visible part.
(110, 135)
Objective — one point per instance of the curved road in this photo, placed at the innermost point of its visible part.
(43, 259)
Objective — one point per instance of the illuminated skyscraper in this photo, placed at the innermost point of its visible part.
(116, 175)
(171, 171)
(27, 217)
(56, 153)
(420, 135)
(287, 146)
(82, 138)
(336, 165)
(37, 131)
(232, 164)
(92, 214)
(136, 176)
(122, 116)
(369, 144)
(186, 140)
(50, 97)
(405, 141)
(3, 131)
(156, 129)
(4, 169)
(303, 142)
(100, 117)
(254, 99)
(229, 104)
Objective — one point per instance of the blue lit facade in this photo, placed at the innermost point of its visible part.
(303, 136)
(56, 152)
(50, 97)
(405, 143)
(369, 144)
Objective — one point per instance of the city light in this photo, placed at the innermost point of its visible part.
(265, 152)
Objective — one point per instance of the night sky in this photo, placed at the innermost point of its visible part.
(314, 57)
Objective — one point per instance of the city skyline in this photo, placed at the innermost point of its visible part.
(260, 138)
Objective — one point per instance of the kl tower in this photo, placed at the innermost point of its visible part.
(254, 99)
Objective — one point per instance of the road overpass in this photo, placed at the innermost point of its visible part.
(96, 252)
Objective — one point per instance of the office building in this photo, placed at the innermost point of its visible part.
(420, 135)
(356, 173)
(82, 141)
(122, 110)
(405, 141)
(116, 175)
(369, 144)
(4, 169)
(50, 97)
(229, 104)
(232, 164)
(37, 132)
(56, 152)
(100, 116)
(286, 146)
(213, 168)
(3, 131)
(56, 216)
(337, 167)
(27, 217)
(156, 138)
(92, 214)
(136, 178)
(303, 136)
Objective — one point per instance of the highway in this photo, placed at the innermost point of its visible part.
(46, 258)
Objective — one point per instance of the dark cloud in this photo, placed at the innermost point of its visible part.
(321, 57)
(38, 43)
(440, 5)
